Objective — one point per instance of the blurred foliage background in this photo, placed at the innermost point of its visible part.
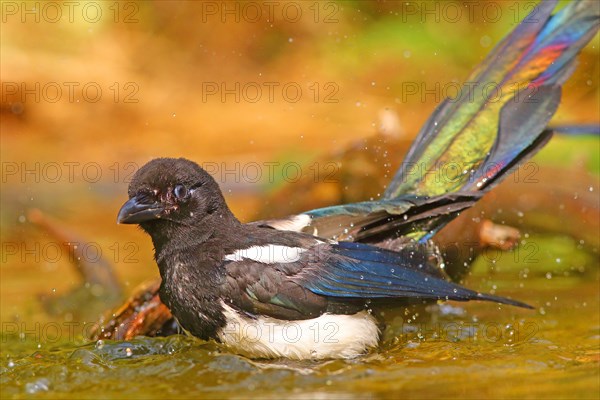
(93, 90)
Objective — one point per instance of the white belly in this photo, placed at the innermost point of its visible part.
(328, 336)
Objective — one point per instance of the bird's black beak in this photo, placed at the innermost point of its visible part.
(136, 211)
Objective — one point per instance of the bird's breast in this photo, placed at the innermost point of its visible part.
(327, 336)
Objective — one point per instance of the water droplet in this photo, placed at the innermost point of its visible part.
(128, 352)
(100, 344)
(362, 277)
(548, 275)
(40, 385)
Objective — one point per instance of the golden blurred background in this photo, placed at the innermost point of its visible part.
(92, 90)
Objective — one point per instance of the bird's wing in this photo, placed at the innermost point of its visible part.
(356, 270)
(375, 221)
(259, 282)
(310, 282)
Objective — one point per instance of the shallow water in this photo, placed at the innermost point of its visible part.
(453, 350)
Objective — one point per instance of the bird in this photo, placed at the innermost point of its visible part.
(263, 290)
(304, 286)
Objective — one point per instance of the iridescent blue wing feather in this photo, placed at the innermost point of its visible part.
(360, 271)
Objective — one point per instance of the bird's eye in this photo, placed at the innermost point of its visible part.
(180, 192)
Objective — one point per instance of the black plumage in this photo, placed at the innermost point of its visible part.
(206, 257)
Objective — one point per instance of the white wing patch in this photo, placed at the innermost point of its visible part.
(269, 254)
(324, 337)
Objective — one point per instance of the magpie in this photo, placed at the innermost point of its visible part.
(267, 292)
(303, 286)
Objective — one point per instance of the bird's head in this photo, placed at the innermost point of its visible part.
(171, 192)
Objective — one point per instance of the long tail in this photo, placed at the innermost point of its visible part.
(498, 120)
(469, 144)
(577, 129)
